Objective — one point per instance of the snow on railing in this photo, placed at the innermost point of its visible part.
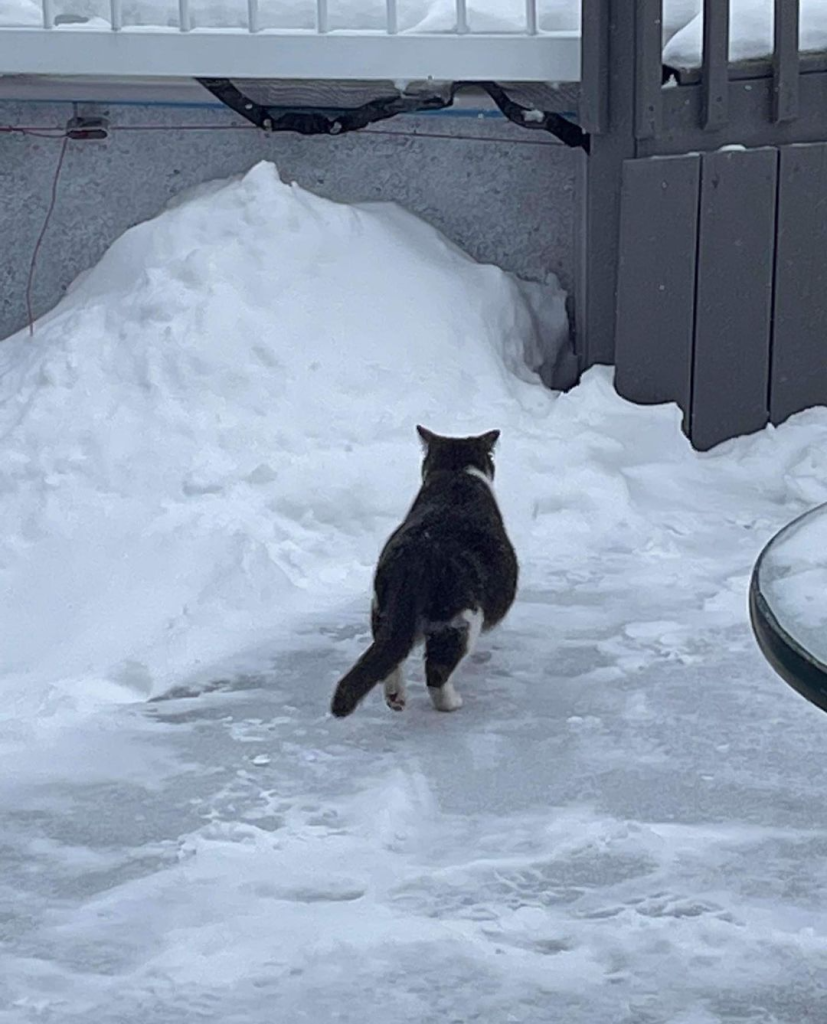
(252, 49)
(322, 19)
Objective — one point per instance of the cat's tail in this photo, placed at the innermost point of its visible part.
(391, 646)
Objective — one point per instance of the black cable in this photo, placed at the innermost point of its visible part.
(321, 122)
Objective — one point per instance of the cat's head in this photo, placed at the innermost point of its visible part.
(458, 453)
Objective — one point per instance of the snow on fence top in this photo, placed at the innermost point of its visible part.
(327, 39)
(448, 40)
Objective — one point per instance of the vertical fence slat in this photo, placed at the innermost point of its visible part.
(594, 59)
(48, 14)
(799, 360)
(531, 17)
(116, 14)
(462, 16)
(392, 17)
(599, 235)
(656, 279)
(184, 23)
(322, 22)
(716, 65)
(785, 61)
(252, 15)
(648, 69)
(733, 301)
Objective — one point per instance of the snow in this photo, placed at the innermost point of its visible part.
(751, 29)
(794, 582)
(205, 445)
(413, 15)
(190, 414)
(751, 32)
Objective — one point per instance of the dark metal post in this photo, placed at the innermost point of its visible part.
(648, 69)
(716, 65)
(609, 41)
(785, 65)
(594, 67)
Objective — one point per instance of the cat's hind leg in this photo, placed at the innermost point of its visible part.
(394, 685)
(444, 650)
(395, 694)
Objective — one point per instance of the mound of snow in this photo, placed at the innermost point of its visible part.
(216, 425)
(213, 434)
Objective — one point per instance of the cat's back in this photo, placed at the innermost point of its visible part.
(454, 525)
(451, 505)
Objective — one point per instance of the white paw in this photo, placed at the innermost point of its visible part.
(445, 698)
(395, 691)
(395, 701)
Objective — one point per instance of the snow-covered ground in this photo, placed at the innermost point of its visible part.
(205, 444)
(751, 33)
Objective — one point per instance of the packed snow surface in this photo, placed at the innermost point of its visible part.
(205, 445)
(751, 25)
(794, 582)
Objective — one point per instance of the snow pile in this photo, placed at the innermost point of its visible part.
(214, 432)
(217, 423)
(204, 447)
(794, 581)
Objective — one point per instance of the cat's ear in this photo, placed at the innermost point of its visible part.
(425, 436)
(490, 439)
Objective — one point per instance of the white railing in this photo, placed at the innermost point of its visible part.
(255, 50)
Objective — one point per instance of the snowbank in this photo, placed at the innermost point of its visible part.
(205, 445)
(213, 433)
(216, 425)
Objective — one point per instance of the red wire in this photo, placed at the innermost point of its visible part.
(39, 133)
(61, 132)
(30, 282)
(58, 133)
(41, 130)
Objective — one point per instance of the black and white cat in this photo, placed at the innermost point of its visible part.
(447, 573)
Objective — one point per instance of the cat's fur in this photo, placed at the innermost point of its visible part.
(448, 572)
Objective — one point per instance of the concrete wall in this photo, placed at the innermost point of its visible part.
(505, 195)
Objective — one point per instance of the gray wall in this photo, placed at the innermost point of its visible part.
(505, 195)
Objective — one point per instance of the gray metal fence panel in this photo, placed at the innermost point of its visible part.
(595, 306)
(750, 117)
(594, 60)
(736, 244)
(648, 70)
(799, 351)
(656, 280)
(786, 62)
(715, 80)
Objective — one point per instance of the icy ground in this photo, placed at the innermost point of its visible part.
(204, 446)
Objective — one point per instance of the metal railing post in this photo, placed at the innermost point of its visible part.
(786, 61)
(715, 81)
